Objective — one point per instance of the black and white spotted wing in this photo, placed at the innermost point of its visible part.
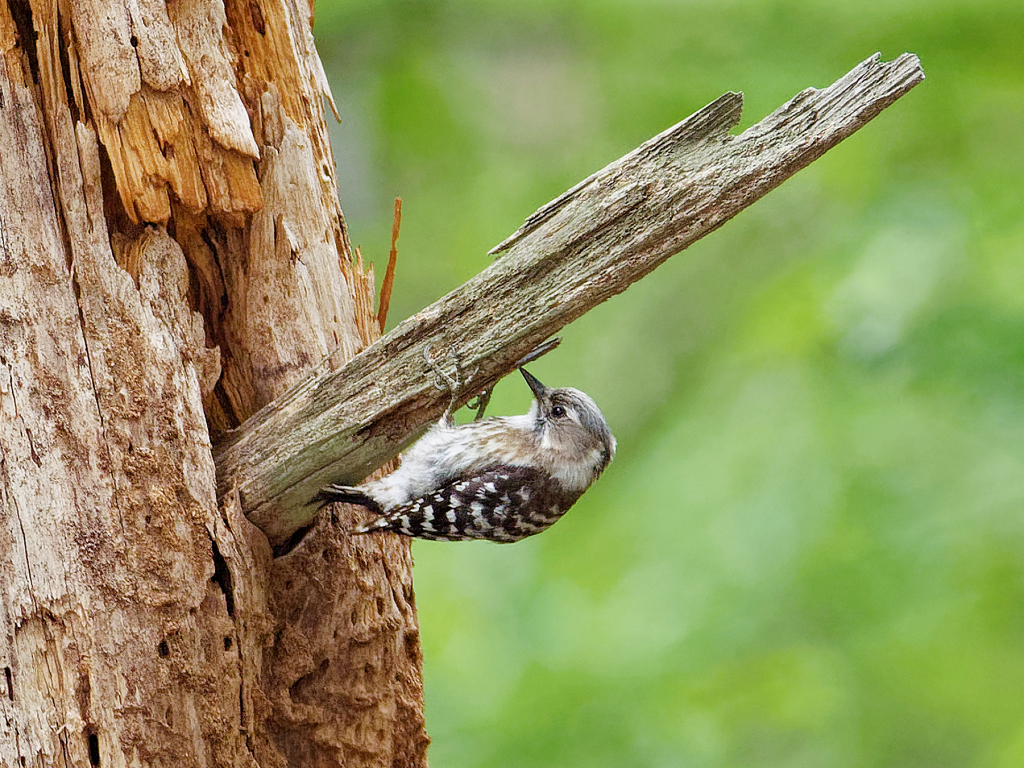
(503, 504)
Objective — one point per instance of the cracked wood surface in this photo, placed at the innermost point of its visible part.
(578, 250)
(108, 497)
(140, 622)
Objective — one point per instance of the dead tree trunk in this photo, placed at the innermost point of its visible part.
(172, 258)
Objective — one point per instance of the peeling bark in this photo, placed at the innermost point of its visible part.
(173, 257)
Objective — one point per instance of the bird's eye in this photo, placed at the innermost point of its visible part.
(558, 411)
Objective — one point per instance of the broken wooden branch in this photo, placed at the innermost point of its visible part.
(578, 250)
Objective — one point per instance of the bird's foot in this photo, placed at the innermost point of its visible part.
(453, 383)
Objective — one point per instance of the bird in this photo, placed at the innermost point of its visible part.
(501, 478)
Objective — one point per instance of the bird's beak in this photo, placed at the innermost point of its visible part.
(538, 388)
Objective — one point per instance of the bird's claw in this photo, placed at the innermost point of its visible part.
(446, 382)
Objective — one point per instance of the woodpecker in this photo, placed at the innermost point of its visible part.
(501, 478)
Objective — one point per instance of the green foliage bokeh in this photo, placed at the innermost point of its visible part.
(810, 548)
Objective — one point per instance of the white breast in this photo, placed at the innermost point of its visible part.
(578, 475)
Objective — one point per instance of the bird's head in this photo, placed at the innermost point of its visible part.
(569, 425)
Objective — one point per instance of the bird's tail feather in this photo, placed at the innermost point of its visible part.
(348, 494)
(379, 524)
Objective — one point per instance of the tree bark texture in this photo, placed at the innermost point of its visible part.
(173, 258)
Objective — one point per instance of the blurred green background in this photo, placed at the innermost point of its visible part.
(810, 548)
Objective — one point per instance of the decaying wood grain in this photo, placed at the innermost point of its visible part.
(171, 243)
(589, 244)
(108, 503)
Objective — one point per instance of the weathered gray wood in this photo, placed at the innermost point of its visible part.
(578, 250)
